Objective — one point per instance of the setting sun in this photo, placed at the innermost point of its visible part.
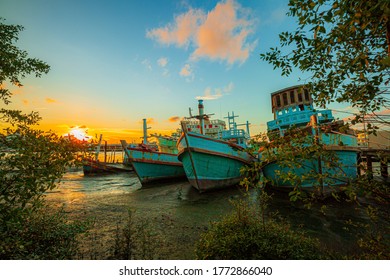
(80, 133)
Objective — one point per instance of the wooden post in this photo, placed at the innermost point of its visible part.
(369, 167)
(98, 148)
(384, 172)
(359, 164)
(313, 123)
(105, 151)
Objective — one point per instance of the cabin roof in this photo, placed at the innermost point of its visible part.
(286, 89)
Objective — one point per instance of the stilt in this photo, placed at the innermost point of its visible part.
(369, 167)
(384, 171)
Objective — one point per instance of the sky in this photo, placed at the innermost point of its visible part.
(114, 63)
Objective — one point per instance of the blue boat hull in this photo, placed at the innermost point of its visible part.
(211, 163)
(342, 175)
(151, 166)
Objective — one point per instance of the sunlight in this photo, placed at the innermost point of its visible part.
(79, 133)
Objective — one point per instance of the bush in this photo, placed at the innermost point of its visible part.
(243, 235)
(44, 234)
(134, 240)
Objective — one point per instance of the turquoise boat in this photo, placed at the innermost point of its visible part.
(293, 107)
(213, 161)
(151, 165)
(150, 162)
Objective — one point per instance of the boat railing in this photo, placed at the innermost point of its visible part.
(291, 118)
(338, 138)
(234, 133)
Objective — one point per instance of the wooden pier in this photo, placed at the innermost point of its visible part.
(111, 148)
(368, 156)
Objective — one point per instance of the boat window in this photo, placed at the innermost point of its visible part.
(301, 107)
(300, 97)
(278, 103)
(292, 97)
(285, 102)
(307, 97)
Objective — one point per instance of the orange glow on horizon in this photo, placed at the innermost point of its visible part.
(111, 135)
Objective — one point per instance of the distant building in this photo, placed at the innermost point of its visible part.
(379, 141)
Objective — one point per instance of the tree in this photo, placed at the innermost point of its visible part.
(31, 162)
(345, 46)
(14, 63)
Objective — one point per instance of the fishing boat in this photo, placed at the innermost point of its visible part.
(293, 108)
(93, 166)
(167, 143)
(213, 161)
(153, 162)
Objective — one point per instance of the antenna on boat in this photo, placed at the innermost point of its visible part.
(232, 123)
(247, 126)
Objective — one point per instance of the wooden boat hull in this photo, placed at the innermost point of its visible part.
(92, 167)
(345, 172)
(152, 166)
(211, 163)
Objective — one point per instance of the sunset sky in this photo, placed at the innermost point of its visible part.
(116, 62)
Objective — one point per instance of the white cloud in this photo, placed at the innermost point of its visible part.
(187, 72)
(181, 32)
(162, 62)
(220, 34)
(210, 94)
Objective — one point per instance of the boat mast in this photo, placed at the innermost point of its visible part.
(247, 127)
(232, 123)
(145, 130)
(201, 115)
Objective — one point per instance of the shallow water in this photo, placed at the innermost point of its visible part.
(185, 212)
(175, 208)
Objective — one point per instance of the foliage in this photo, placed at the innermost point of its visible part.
(14, 63)
(302, 161)
(31, 162)
(373, 239)
(344, 45)
(45, 234)
(245, 234)
(295, 151)
(135, 240)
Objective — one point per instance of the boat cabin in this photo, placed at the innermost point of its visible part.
(210, 127)
(293, 106)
